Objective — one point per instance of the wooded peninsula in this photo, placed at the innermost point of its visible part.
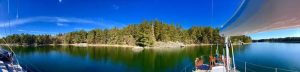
(145, 34)
(286, 39)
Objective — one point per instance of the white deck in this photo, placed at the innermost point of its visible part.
(216, 69)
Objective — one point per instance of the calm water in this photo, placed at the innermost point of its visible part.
(112, 59)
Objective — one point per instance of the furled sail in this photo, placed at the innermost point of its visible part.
(263, 15)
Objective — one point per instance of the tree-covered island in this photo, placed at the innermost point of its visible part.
(146, 34)
(285, 40)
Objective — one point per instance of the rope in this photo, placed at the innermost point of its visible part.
(287, 70)
(251, 70)
(17, 17)
(260, 66)
(8, 8)
(212, 12)
(244, 68)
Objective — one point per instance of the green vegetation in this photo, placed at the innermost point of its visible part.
(243, 38)
(144, 34)
(287, 39)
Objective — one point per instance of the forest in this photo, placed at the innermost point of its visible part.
(144, 34)
(286, 39)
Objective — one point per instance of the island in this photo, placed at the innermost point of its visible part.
(154, 33)
(286, 40)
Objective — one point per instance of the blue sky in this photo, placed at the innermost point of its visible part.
(59, 16)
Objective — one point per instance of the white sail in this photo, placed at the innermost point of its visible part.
(263, 15)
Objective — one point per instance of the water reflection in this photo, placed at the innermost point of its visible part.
(115, 59)
(147, 60)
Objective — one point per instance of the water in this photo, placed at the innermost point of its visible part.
(114, 59)
(265, 57)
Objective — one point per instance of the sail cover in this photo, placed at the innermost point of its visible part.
(262, 15)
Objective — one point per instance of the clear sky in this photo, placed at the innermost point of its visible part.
(60, 16)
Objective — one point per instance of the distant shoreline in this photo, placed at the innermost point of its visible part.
(279, 42)
(103, 45)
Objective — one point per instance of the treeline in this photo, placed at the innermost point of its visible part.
(287, 39)
(243, 38)
(143, 34)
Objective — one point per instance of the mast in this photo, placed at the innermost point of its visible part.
(227, 44)
(227, 53)
(233, 62)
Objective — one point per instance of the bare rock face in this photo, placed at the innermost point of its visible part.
(168, 45)
(81, 44)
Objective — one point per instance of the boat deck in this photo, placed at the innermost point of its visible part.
(7, 63)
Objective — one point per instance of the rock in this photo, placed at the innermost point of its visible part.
(137, 49)
(168, 45)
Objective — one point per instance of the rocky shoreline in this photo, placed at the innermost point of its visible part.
(156, 45)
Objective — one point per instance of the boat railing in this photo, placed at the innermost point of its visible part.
(244, 66)
(252, 67)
